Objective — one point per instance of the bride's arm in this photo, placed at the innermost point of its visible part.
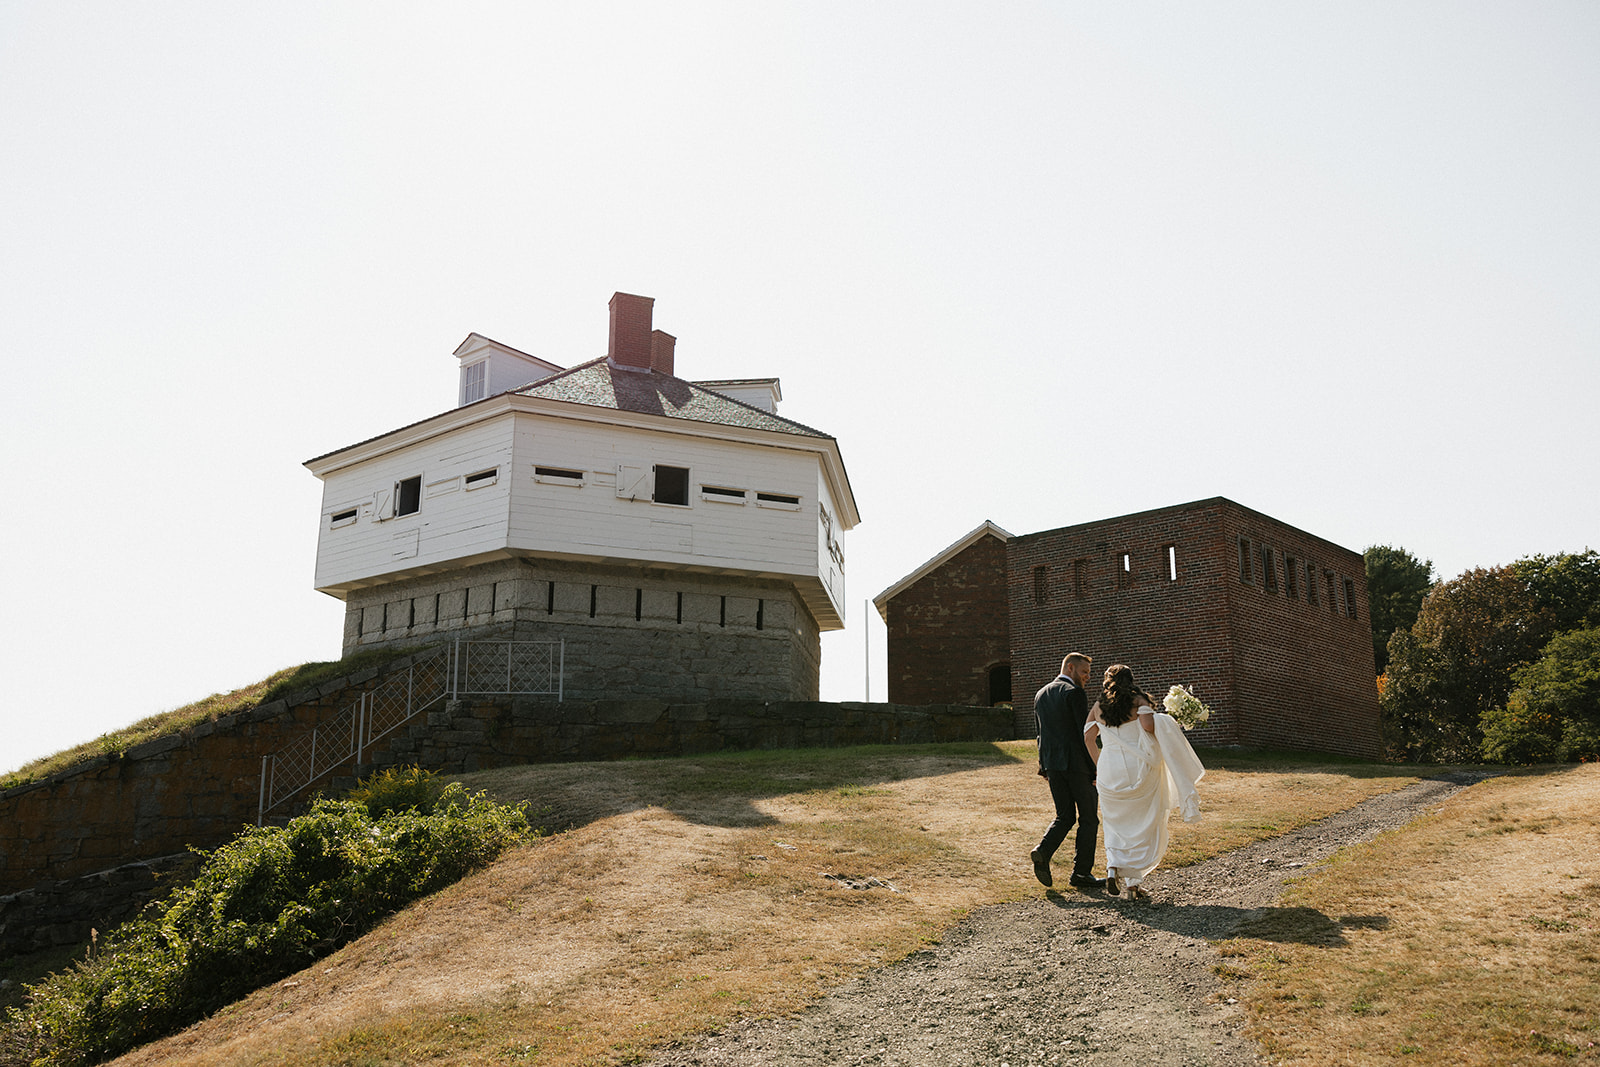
(1091, 734)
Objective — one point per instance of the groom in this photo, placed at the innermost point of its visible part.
(1061, 708)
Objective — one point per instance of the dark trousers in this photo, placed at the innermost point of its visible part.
(1076, 801)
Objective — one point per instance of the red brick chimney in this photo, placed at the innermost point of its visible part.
(661, 346)
(630, 331)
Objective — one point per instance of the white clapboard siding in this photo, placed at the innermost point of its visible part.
(596, 520)
(452, 521)
(606, 514)
(829, 539)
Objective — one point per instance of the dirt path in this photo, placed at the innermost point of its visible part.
(1076, 978)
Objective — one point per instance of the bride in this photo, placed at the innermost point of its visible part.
(1144, 769)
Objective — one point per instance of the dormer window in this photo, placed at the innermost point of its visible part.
(474, 382)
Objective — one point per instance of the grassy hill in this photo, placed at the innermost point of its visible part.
(684, 893)
(681, 894)
(278, 684)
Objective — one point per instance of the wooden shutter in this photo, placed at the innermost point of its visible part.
(631, 482)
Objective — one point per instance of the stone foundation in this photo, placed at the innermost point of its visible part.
(629, 633)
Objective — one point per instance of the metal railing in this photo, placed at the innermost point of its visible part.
(486, 668)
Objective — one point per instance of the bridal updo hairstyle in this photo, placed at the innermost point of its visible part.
(1117, 695)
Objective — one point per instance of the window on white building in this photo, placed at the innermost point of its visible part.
(672, 485)
(407, 496)
(558, 476)
(474, 382)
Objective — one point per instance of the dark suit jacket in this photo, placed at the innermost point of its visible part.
(1062, 709)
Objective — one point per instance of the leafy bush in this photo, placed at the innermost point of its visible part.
(263, 906)
(1554, 713)
(397, 789)
(1517, 734)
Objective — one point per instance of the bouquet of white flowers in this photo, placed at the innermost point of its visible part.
(1185, 707)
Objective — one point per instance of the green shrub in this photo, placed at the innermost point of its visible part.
(263, 906)
(1554, 713)
(397, 789)
(1515, 734)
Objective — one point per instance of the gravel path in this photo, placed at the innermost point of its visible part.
(1076, 978)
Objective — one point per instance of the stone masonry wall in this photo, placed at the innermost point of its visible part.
(629, 632)
(67, 842)
(950, 628)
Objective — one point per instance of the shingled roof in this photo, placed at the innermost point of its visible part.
(600, 384)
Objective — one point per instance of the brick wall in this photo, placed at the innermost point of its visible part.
(1309, 678)
(950, 628)
(1161, 591)
(1069, 592)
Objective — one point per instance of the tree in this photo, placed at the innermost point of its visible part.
(1554, 712)
(1456, 662)
(1396, 584)
(1566, 584)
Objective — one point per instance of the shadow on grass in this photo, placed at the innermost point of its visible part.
(723, 788)
(1281, 761)
(1219, 922)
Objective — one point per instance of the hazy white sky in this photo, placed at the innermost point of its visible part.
(1034, 263)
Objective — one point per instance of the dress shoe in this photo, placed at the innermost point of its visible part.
(1113, 883)
(1041, 867)
(1088, 881)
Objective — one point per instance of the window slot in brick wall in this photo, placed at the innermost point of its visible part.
(1080, 585)
(1311, 583)
(1172, 563)
(1269, 570)
(1350, 597)
(1244, 559)
(1041, 584)
(1291, 577)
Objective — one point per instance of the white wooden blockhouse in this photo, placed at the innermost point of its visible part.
(682, 538)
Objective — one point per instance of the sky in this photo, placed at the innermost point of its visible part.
(1034, 263)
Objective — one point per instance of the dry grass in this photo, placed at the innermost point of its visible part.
(1471, 937)
(690, 892)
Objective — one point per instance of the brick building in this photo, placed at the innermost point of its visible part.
(1268, 623)
(949, 642)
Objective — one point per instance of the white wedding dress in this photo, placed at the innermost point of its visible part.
(1142, 777)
